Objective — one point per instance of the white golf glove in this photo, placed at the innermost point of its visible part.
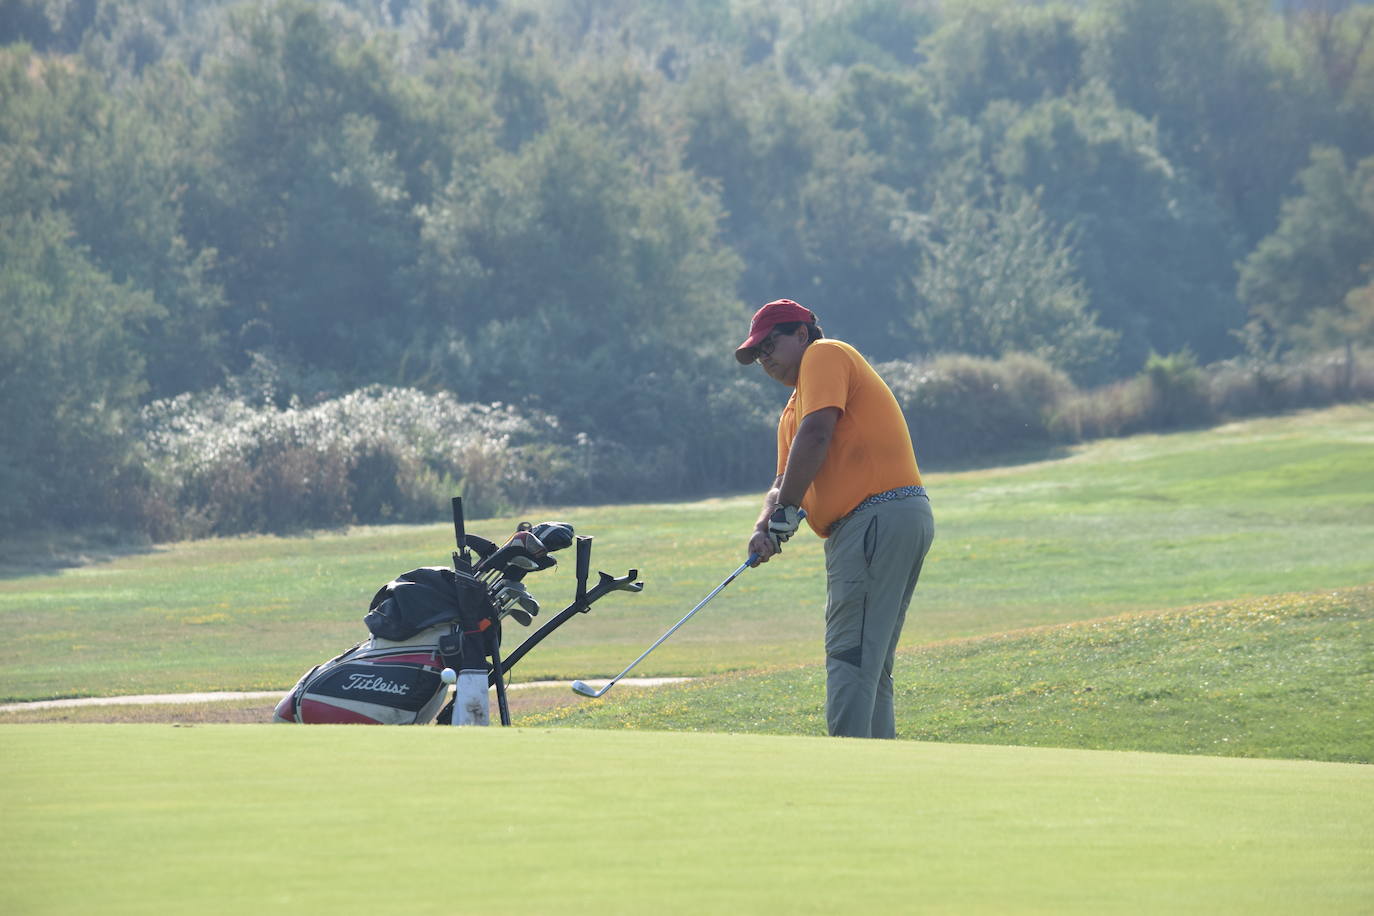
(782, 524)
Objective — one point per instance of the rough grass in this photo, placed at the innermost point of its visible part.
(1262, 507)
(1287, 676)
(1281, 676)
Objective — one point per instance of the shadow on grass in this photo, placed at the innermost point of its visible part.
(46, 552)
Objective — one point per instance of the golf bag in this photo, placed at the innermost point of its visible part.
(437, 622)
(378, 682)
(393, 678)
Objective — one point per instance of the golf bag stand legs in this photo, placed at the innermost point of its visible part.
(468, 644)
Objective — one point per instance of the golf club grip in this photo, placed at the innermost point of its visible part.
(459, 530)
(584, 565)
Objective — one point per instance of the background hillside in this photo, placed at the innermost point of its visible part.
(273, 264)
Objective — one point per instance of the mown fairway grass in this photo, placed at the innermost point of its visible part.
(1269, 506)
(256, 819)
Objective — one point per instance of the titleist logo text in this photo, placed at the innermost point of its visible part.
(374, 682)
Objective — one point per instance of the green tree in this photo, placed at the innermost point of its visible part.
(895, 115)
(991, 50)
(1154, 250)
(113, 164)
(1338, 35)
(1333, 41)
(565, 277)
(316, 152)
(806, 205)
(758, 141)
(855, 262)
(70, 374)
(878, 33)
(996, 278)
(559, 273)
(55, 25)
(1227, 109)
(1308, 279)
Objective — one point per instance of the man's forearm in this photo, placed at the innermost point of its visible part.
(804, 460)
(802, 466)
(770, 502)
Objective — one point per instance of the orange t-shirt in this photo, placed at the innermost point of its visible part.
(870, 451)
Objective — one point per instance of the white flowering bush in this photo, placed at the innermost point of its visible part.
(375, 455)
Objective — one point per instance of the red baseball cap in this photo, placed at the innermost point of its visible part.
(779, 311)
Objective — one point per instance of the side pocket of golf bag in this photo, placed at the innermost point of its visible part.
(378, 682)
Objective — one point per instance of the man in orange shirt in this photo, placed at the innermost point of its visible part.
(845, 456)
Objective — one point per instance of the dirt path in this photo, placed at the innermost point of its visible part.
(156, 699)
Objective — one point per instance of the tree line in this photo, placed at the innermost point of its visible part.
(570, 208)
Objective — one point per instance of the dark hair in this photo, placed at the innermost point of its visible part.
(813, 329)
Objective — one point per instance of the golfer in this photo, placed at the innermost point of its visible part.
(845, 456)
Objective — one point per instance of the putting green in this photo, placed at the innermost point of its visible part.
(277, 819)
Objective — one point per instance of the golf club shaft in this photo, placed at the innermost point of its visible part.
(674, 628)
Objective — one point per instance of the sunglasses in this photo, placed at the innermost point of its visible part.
(769, 344)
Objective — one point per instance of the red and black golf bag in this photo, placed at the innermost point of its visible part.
(435, 618)
(393, 678)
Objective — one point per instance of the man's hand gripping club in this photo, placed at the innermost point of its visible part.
(774, 531)
(782, 524)
(781, 515)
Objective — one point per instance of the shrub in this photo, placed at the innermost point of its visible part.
(1176, 389)
(1254, 384)
(219, 464)
(1112, 410)
(961, 407)
(375, 455)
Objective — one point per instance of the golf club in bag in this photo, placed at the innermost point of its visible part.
(435, 626)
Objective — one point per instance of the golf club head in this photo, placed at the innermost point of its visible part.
(514, 599)
(521, 554)
(519, 615)
(530, 541)
(506, 590)
(587, 690)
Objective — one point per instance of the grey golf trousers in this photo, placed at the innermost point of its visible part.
(873, 558)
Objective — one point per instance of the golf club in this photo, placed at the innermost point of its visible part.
(513, 599)
(586, 690)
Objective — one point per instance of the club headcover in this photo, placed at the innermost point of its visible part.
(555, 535)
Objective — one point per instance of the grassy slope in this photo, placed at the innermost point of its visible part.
(1262, 507)
(1286, 676)
(153, 819)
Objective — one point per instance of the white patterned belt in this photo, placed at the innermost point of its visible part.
(884, 497)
